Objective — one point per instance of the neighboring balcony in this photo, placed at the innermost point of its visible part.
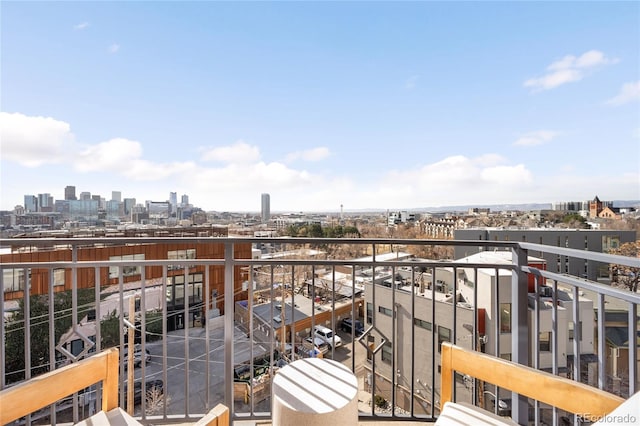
(210, 323)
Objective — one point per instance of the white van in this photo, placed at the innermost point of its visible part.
(328, 336)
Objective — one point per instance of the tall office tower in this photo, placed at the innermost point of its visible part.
(70, 193)
(114, 209)
(30, 203)
(128, 205)
(184, 200)
(101, 201)
(85, 196)
(173, 200)
(116, 196)
(45, 202)
(266, 208)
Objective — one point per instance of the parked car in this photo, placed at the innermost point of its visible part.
(137, 356)
(317, 344)
(348, 324)
(328, 336)
(152, 386)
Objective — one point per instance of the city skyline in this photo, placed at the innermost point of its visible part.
(366, 105)
(264, 208)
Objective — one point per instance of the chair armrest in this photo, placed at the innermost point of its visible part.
(560, 392)
(218, 416)
(26, 397)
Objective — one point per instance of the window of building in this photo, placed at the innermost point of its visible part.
(385, 311)
(610, 242)
(468, 282)
(180, 255)
(127, 270)
(13, 279)
(545, 341)
(505, 318)
(571, 330)
(506, 356)
(460, 378)
(465, 279)
(176, 290)
(603, 271)
(369, 313)
(58, 276)
(387, 353)
(444, 335)
(422, 323)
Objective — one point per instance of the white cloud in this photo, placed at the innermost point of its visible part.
(81, 26)
(112, 155)
(124, 156)
(314, 154)
(536, 138)
(568, 69)
(490, 160)
(628, 93)
(236, 181)
(411, 82)
(143, 170)
(233, 180)
(238, 153)
(113, 48)
(554, 79)
(33, 141)
(588, 59)
(453, 179)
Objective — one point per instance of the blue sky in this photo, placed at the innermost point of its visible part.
(366, 104)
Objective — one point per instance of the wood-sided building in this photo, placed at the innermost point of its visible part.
(181, 282)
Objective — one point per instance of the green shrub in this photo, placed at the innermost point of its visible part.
(380, 401)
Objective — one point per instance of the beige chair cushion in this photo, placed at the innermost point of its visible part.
(627, 413)
(115, 417)
(462, 414)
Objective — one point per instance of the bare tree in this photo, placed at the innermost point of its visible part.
(626, 276)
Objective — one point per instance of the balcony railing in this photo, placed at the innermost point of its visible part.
(215, 328)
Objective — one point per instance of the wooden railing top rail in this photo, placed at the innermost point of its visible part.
(38, 392)
(566, 394)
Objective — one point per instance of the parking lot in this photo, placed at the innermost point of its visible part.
(185, 366)
(189, 377)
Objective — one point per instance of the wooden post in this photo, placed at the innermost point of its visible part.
(111, 381)
(130, 362)
(446, 375)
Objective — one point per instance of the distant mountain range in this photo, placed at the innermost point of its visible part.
(492, 207)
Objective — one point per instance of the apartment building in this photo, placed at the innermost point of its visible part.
(411, 325)
(411, 319)
(495, 300)
(582, 239)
